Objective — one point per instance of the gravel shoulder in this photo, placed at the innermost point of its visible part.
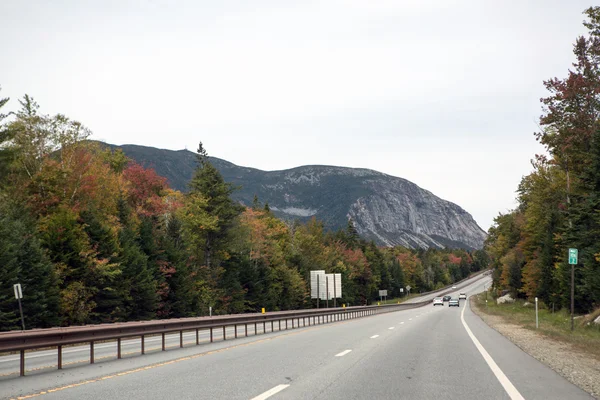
(577, 367)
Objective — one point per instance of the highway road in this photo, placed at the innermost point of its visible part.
(423, 353)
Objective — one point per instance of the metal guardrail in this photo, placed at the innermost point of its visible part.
(21, 341)
(58, 337)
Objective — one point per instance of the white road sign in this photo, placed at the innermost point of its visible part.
(18, 291)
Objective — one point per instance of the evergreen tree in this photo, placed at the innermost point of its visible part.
(353, 237)
(209, 183)
(181, 283)
(22, 260)
(108, 298)
(138, 285)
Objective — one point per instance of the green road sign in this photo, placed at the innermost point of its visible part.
(572, 256)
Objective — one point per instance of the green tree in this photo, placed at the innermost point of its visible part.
(138, 286)
(208, 183)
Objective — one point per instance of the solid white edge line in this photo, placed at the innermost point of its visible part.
(510, 389)
(343, 353)
(270, 392)
(374, 336)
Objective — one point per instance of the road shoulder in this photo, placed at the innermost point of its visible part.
(577, 367)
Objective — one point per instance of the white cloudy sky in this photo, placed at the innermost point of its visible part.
(444, 93)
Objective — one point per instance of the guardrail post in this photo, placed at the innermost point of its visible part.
(119, 348)
(246, 329)
(92, 352)
(271, 325)
(286, 324)
(143, 349)
(235, 330)
(163, 342)
(22, 363)
(279, 324)
(59, 356)
(292, 322)
(211, 335)
(224, 333)
(197, 337)
(180, 338)
(255, 329)
(264, 327)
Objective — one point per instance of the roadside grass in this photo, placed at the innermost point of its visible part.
(555, 325)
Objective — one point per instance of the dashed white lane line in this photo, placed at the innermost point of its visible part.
(374, 336)
(391, 327)
(510, 389)
(343, 353)
(410, 319)
(401, 322)
(270, 392)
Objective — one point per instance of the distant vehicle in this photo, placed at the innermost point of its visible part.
(462, 295)
(454, 302)
(438, 300)
(453, 287)
(446, 298)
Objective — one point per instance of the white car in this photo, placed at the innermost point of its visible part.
(438, 300)
(462, 296)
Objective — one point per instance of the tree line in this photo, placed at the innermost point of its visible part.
(94, 237)
(559, 202)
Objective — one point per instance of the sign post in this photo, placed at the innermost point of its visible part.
(334, 296)
(573, 254)
(537, 323)
(408, 290)
(19, 296)
(318, 291)
(327, 291)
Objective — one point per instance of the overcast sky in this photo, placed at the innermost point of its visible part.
(443, 93)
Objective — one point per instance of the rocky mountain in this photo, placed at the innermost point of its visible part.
(387, 209)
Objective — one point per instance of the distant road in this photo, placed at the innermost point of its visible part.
(422, 353)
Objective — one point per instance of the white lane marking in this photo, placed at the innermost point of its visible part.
(343, 353)
(374, 336)
(510, 389)
(401, 322)
(410, 319)
(270, 392)
(391, 327)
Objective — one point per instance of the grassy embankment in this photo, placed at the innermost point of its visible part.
(555, 325)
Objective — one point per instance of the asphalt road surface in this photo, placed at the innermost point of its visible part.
(424, 353)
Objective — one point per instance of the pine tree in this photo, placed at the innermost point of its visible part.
(181, 282)
(22, 260)
(353, 236)
(209, 183)
(138, 285)
(108, 298)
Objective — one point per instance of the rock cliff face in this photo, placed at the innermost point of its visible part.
(387, 209)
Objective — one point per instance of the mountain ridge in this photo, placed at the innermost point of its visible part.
(387, 209)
